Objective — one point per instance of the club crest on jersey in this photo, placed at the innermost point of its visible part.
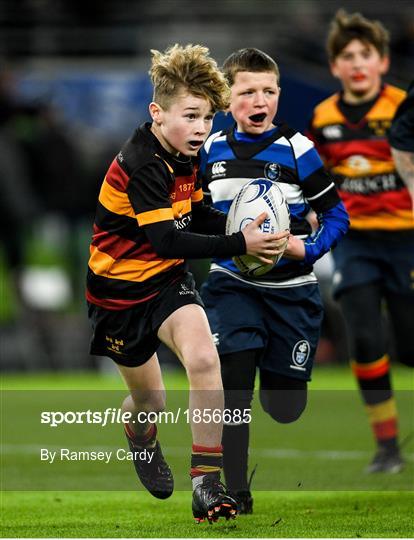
(218, 169)
(379, 127)
(272, 171)
(300, 354)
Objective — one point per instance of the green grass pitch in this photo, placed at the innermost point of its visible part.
(309, 482)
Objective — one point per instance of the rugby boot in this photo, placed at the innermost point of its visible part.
(244, 501)
(155, 476)
(210, 500)
(386, 460)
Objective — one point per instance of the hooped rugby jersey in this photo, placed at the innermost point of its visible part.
(359, 156)
(287, 157)
(145, 202)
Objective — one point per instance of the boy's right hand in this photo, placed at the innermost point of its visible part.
(264, 246)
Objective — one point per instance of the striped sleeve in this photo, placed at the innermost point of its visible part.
(148, 191)
(308, 160)
(317, 183)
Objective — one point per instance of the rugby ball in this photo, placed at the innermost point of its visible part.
(257, 196)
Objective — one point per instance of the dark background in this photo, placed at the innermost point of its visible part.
(73, 85)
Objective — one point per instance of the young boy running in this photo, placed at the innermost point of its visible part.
(271, 322)
(375, 261)
(151, 217)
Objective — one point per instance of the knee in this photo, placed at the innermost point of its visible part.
(283, 408)
(202, 363)
(284, 416)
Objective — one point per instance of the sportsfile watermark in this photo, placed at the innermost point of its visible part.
(113, 415)
(75, 440)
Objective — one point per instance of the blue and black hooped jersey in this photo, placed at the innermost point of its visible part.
(289, 158)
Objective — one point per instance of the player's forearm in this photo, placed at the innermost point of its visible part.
(170, 243)
(333, 225)
(404, 161)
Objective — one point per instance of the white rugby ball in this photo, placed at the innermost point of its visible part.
(257, 196)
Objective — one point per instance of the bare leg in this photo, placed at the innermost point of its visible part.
(187, 333)
(147, 391)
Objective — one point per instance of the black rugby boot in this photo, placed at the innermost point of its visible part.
(155, 475)
(210, 500)
(386, 460)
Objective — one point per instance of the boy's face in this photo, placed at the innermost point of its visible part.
(359, 67)
(254, 101)
(185, 125)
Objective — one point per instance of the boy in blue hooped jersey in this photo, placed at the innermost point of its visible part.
(271, 322)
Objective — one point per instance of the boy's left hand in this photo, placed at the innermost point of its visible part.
(295, 249)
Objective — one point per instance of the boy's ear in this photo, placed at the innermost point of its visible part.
(332, 67)
(385, 64)
(155, 111)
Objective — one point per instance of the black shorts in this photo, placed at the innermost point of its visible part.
(129, 336)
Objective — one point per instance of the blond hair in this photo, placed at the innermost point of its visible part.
(347, 27)
(189, 68)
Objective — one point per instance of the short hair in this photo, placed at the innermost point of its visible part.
(188, 68)
(346, 27)
(249, 59)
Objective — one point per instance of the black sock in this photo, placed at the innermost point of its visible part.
(235, 456)
(238, 372)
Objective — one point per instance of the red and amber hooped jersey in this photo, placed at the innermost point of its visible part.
(359, 155)
(144, 185)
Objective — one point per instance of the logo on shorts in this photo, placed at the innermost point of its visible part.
(337, 278)
(272, 171)
(114, 345)
(216, 339)
(185, 290)
(300, 354)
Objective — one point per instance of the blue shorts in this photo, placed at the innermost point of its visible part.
(284, 322)
(382, 257)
